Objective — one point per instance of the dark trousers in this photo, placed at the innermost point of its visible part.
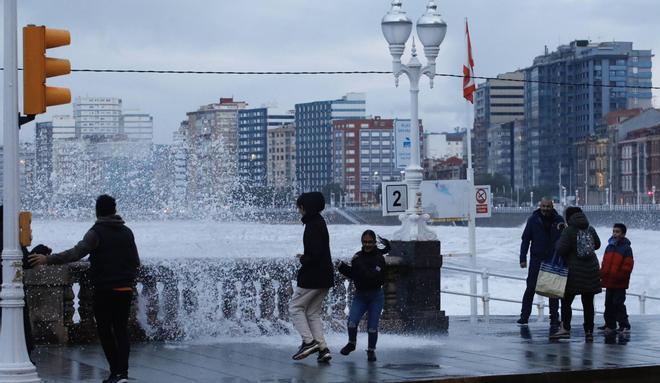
(528, 297)
(111, 311)
(587, 306)
(615, 308)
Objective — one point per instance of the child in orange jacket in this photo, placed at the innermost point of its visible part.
(615, 276)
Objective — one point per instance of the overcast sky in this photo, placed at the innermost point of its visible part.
(308, 35)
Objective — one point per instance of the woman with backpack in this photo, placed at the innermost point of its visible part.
(577, 245)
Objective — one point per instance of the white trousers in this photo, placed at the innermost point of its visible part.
(305, 310)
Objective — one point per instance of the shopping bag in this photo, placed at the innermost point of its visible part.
(552, 278)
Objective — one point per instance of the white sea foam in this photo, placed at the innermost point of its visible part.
(497, 249)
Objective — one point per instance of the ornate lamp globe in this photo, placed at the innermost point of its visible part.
(396, 28)
(431, 30)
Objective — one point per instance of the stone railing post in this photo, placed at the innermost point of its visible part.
(412, 290)
(49, 298)
(85, 330)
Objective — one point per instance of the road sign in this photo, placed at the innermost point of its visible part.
(395, 195)
(483, 201)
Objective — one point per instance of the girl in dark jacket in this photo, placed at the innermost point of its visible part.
(577, 245)
(367, 270)
(315, 278)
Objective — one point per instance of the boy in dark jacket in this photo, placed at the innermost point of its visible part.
(315, 278)
(113, 266)
(615, 276)
(367, 270)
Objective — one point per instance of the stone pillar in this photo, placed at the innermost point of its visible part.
(412, 290)
(50, 300)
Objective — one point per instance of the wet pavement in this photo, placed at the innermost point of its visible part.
(480, 352)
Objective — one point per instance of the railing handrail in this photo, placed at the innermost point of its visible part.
(486, 297)
(587, 208)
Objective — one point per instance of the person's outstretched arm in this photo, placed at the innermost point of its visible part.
(89, 242)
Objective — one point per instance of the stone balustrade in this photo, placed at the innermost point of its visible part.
(206, 297)
(177, 299)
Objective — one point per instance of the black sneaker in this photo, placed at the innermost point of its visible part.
(522, 322)
(349, 348)
(602, 328)
(609, 331)
(324, 356)
(589, 336)
(624, 329)
(371, 355)
(306, 349)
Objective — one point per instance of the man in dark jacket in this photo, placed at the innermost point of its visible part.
(114, 263)
(315, 278)
(542, 231)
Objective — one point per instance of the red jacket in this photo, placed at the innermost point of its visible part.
(617, 264)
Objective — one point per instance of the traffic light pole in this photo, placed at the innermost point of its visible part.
(15, 365)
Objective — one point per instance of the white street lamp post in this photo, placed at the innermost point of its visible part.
(15, 365)
(431, 31)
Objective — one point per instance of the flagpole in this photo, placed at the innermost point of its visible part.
(472, 240)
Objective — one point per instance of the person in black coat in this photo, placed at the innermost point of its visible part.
(314, 280)
(113, 267)
(577, 246)
(542, 231)
(367, 270)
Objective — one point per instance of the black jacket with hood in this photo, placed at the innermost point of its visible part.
(583, 273)
(113, 259)
(367, 269)
(316, 271)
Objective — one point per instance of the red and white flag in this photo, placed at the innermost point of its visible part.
(468, 69)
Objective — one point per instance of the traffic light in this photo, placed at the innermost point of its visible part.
(37, 68)
(25, 228)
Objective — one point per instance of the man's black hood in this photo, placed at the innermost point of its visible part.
(312, 203)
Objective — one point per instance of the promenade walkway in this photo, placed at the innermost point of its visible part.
(495, 352)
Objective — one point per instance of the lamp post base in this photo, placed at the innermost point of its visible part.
(414, 228)
(18, 373)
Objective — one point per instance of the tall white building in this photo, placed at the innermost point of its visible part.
(97, 116)
(138, 127)
(64, 127)
(180, 165)
(440, 146)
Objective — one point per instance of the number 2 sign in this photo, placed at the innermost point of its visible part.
(395, 198)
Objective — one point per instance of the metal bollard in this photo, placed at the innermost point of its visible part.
(642, 303)
(485, 294)
(540, 304)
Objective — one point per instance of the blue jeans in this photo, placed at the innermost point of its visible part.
(370, 302)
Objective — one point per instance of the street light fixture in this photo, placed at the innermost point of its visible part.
(15, 364)
(431, 30)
